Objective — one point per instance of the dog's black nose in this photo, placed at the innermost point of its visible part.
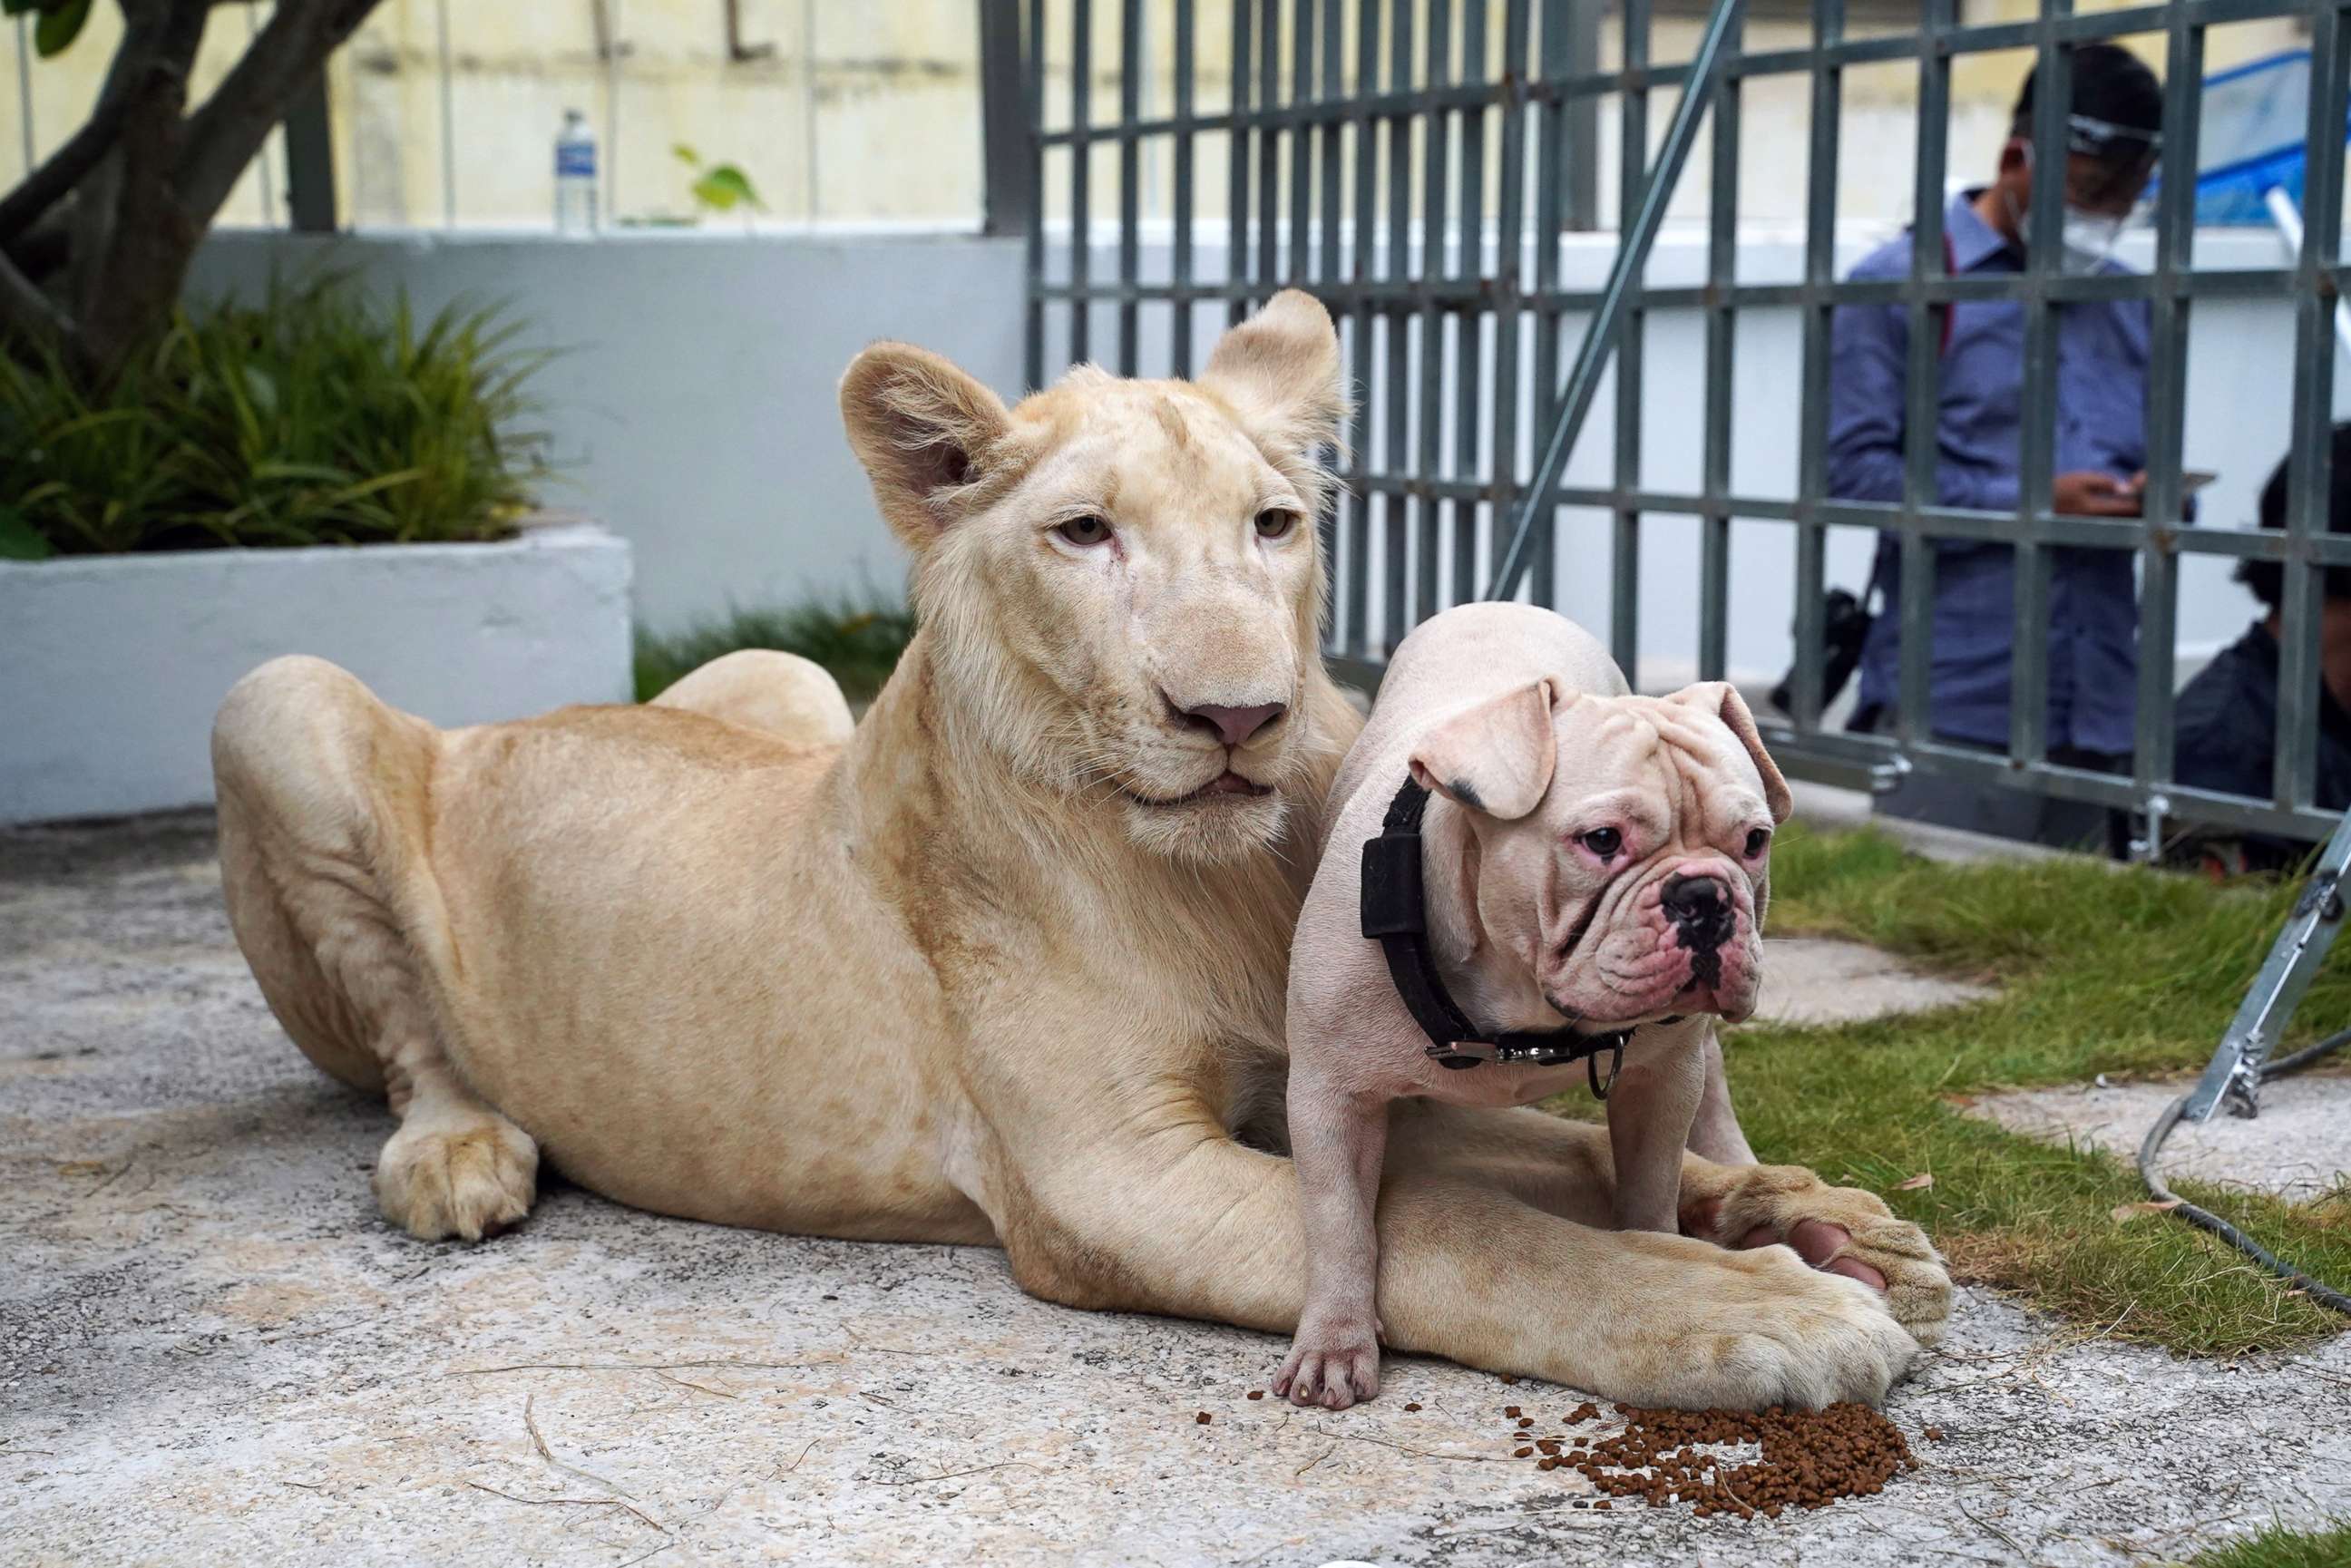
(1701, 907)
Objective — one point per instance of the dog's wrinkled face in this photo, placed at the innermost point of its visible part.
(1623, 844)
(1122, 579)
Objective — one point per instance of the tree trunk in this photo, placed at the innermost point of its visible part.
(96, 243)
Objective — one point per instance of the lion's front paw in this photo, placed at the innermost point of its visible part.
(472, 1179)
(1334, 1361)
(1841, 1230)
(1792, 1335)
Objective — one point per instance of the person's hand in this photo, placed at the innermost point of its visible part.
(2090, 493)
(2187, 497)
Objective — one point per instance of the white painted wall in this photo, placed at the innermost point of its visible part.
(118, 663)
(693, 402)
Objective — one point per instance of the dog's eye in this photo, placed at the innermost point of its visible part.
(1275, 524)
(1085, 531)
(1602, 842)
(1758, 841)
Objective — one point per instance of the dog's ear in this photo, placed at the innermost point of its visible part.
(1279, 371)
(929, 435)
(1496, 757)
(1722, 699)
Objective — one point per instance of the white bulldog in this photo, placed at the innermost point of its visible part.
(1583, 891)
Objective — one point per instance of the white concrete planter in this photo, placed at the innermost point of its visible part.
(111, 666)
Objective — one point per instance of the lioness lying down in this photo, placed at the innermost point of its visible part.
(1006, 965)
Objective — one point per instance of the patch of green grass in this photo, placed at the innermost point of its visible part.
(2279, 1547)
(858, 641)
(2102, 969)
(318, 414)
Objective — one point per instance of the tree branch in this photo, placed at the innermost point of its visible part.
(45, 187)
(28, 314)
(225, 134)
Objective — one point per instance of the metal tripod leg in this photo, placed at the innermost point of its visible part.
(2234, 1075)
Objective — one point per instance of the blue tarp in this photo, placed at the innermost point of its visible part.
(2256, 117)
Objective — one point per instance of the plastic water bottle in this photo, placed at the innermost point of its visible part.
(575, 176)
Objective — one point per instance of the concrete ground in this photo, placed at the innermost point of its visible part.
(211, 1349)
(2298, 1148)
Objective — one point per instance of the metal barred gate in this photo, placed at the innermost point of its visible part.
(1417, 164)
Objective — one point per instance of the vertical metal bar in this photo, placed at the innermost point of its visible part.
(1509, 263)
(448, 86)
(1435, 220)
(1632, 255)
(1009, 160)
(1820, 272)
(1180, 260)
(1562, 22)
(2166, 407)
(1269, 152)
(1332, 179)
(24, 90)
(1468, 266)
(1721, 347)
(1032, 66)
(1302, 140)
(1399, 513)
(2052, 98)
(261, 160)
(1580, 47)
(1130, 176)
(607, 13)
(1632, 174)
(812, 167)
(311, 161)
(1237, 193)
(1344, 505)
(1082, 73)
(1367, 172)
(1923, 394)
(2309, 478)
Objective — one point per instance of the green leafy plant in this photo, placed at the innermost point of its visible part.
(857, 639)
(55, 23)
(718, 187)
(315, 416)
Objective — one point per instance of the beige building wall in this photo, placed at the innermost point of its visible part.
(862, 112)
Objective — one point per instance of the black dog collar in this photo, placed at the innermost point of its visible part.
(1396, 915)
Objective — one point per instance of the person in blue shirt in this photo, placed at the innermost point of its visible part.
(2113, 135)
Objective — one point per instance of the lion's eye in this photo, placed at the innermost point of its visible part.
(1602, 842)
(1085, 531)
(1275, 524)
(1758, 841)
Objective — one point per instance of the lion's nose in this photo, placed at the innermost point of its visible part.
(1700, 905)
(1233, 726)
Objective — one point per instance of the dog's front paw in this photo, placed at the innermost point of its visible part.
(471, 1180)
(1839, 1230)
(1334, 1361)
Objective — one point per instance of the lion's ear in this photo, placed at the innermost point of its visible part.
(1279, 371)
(928, 434)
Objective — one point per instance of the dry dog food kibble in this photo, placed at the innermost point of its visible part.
(1809, 1458)
(1201, 1419)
